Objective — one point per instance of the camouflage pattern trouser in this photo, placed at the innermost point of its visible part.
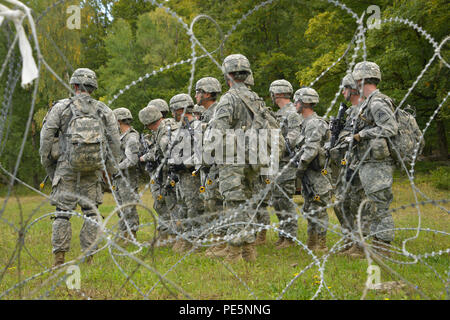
(376, 179)
(213, 200)
(164, 203)
(347, 209)
(317, 220)
(126, 193)
(66, 194)
(237, 184)
(189, 189)
(282, 195)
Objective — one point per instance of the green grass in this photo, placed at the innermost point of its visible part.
(204, 278)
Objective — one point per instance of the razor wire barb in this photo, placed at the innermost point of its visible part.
(222, 219)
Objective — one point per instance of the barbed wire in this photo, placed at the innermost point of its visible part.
(221, 219)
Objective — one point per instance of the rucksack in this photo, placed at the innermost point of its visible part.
(409, 138)
(85, 139)
(409, 141)
(263, 119)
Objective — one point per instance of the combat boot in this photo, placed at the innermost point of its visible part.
(356, 251)
(59, 258)
(249, 252)
(287, 242)
(213, 251)
(311, 243)
(185, 246)
(261, 237)
(348, 244)
(221, 253)
(178, 243)
(234, 254)
(279, 241)
(383, 247)
(322, 244)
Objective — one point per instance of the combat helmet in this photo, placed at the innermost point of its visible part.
(181, 101)
(160, 104)
(365, 70)
(209, 85)
(238, 63)
(306, 95)
(149, 114)
(84, 76)
(281, 87)
(122, 114)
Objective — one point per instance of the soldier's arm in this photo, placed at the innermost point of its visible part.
(384, 121)
(311, 147)
(293, 135)
(112, 131)
(50, 127)
(131, 153)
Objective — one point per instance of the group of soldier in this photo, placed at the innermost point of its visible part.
(223, 201)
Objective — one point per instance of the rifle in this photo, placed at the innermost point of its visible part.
(336, 126)
(293, 155)
(309, 191)
(150, 165)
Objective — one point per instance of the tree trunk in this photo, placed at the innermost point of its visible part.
(442, 139)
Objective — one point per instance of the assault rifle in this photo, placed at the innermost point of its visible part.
(336, 126)
(150, 165)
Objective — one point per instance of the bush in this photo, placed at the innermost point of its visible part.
(441, 178)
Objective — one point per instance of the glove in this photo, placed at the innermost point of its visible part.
(357, 137)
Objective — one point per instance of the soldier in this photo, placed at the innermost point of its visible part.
(281, 92)
(237, 182)
(349, 199)
(84, 127)
(206, 94)
(189, 185)
(316, 188)
(127, 183)
(376, 122)
(166, 204)
(164, 197)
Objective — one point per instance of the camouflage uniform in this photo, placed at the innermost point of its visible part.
(237, 183)
(126, 184)
(189, 185)
(290, 122)
(375, 123)
(164, 197)
(316, 188)
(70, 188)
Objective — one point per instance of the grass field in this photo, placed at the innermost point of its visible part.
(204, 278)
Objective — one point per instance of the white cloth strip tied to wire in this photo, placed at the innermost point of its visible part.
(29, 68)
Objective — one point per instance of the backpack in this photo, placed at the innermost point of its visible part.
(85, 139)
(402, 146)
(263, 119)
(409, 141)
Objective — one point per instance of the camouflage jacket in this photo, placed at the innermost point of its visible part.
(209, 113)
(56, 123)
(375, 122)
(231, 113)
(290, 122)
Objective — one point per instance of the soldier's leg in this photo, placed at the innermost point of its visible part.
(286, 210)
(92, 196)
(65, 200)
(317, 218)
(382, 218)
(235, 186)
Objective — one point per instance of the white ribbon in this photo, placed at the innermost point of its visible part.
(29, 68)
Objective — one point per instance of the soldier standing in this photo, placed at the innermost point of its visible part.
(316, 188)
(163, 204)
(164, 196)
(284, 187)
(376, 122)
(182, 165)
(207, 92)
(127, 181)
(237, 182)
(84, 127)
